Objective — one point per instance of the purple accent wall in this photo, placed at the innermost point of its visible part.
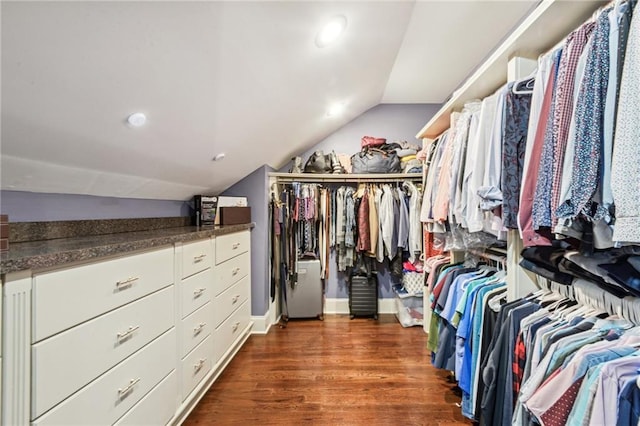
(34, 207)
(256, 188)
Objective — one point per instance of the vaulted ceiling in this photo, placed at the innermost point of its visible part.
(241, 78)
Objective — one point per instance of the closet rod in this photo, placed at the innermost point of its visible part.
(346, 178)
(484, 254)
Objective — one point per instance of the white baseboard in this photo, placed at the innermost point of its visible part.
(261, 324)
(341, 306)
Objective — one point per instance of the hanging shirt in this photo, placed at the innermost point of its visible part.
(441, 203)
(514, 138)
(537, 98)
(625, 176)
(589, 112)
(374, 223)
(463, 202)
(475, 166)
(525, 215)
(403, 219)
(490, 191)
(574, 46)
(415, 227)
(606, 196)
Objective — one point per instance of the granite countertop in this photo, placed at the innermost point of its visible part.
(35, 255)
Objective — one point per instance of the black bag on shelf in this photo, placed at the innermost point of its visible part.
(319, 162)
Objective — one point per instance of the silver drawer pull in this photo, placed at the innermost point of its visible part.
(197, 367)
(198, 329)
(199, 258)
(234, 299)
(126, 334)
(125, 391)
(235, 326)
(235, 271)
(126, 283)
(235, 246)
(198, 292)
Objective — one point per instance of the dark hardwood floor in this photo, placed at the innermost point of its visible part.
(332, 372)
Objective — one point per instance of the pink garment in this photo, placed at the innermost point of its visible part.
(441, 204)
(530, 236)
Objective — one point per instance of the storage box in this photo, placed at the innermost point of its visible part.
(409, 310)
(228, 201)
(205, 210)
(235, 215)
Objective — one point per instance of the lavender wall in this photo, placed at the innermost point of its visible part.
(33, 207)
(256, 188)
(393, 122)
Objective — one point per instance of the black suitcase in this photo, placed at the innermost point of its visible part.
(363, 296)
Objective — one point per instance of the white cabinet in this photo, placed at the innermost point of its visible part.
(110, 396)
(64, 298)
(232, 304)
(135, 339)
(231, 245)
(196, 365)
(157, 407)
(67, 361)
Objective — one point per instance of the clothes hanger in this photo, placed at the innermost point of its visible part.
(527, 89)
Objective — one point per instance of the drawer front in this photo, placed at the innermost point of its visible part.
(157, 407)
(231, 245)
(196, 291)
(196, 365)
(196, 257)
(230, 330)
(196, 327)
(64, 363)
(99, 287)
(231, 271)
(229, 300)
(110, 396)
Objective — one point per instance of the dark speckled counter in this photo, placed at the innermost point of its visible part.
(45, 254)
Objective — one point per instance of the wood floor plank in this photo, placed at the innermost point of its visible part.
(332, 372)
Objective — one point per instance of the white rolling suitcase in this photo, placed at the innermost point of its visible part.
(304, 300)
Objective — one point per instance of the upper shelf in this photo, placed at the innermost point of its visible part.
(338, 178)
(547, 25)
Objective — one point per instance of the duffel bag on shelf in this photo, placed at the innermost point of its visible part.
(374, 160)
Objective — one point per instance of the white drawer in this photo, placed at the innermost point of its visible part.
(195, 291)
(196, 365)
(64, 363)
(231, 272)
(196, 257)
(157, 407)
(230, 330)
(229, 300)
(110, 396)
(96, 288)
(196, 327)
(231, 245)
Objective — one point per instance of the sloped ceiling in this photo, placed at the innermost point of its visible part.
(241, 78)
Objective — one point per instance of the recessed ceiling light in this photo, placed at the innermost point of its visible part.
(219, 157)
(335, 109)
(137, 119)
(331, 31)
